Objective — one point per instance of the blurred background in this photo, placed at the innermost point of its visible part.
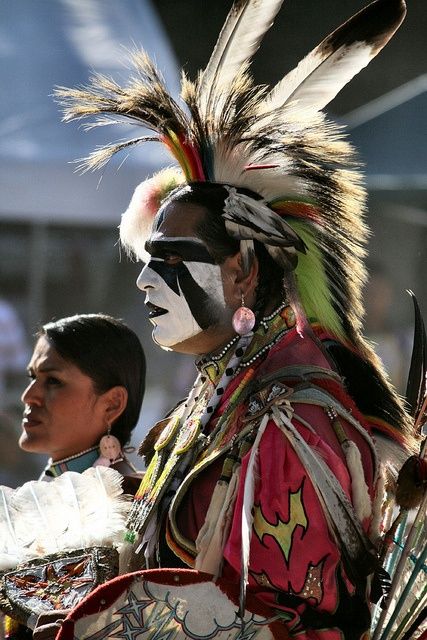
(58, 230)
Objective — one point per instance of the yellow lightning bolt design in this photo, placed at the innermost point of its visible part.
(282, 532)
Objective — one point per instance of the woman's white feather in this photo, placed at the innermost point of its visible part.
(42, 511)
(240, 37)
(8, 539)
(5, 515)
(73, 511)
(66, 488)
(36, 511)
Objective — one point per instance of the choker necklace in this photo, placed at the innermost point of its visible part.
(78, 462)
(219, 355)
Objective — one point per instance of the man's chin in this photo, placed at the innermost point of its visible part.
(200, 343)
(167, 343)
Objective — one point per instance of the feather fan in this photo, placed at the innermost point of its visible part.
(72, 511)
(408, 592)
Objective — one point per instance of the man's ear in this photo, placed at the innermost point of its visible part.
(115, 401)
(244, 280)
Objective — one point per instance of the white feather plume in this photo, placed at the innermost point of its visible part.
(359, 489)
(240, 37)
(8, 536)
(72, 511)
(321, 75)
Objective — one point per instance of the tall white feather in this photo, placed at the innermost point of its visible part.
(252, 473)
(317, 80)
(73, 511)
(240, 37)
(321, 75)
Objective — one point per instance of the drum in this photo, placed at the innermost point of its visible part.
(173, 604)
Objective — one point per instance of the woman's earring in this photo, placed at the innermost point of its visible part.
(243, 319)
(110, 450)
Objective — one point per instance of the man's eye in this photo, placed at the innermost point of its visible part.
(172, 258)
(52, 381)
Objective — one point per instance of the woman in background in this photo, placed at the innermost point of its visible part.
(87, 378)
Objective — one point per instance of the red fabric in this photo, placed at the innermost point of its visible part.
(291, 536)
(296, 538)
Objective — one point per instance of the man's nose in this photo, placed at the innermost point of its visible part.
(143, 282)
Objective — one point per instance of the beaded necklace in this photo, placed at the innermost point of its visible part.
(180, 442)
(78, 462)
(270, 330)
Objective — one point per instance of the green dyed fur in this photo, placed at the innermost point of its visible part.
(312, 283)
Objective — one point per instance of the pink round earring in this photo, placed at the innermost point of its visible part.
(243, 319)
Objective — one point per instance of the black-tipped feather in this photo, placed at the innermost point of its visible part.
(321, 75)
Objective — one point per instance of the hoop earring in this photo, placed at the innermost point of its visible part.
(243, 319)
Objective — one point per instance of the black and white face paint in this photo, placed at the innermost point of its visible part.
(183, 286)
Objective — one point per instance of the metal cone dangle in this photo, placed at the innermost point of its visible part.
(243, 320)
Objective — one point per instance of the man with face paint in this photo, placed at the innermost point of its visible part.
(267, 475)
(193, 298)
(192, 313)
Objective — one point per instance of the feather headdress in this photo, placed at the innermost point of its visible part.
(276, 143)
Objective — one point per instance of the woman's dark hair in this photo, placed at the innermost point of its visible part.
(107, 351)
(211, 196)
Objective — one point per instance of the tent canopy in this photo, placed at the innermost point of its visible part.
(59, 42)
